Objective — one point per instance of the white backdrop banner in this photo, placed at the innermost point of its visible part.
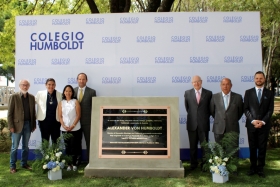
(145, 54)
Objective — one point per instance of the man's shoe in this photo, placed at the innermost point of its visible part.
(26, 167)
(261, 174)
(251, 172)
(13, 170)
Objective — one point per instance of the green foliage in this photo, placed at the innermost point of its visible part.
(5, 138)
(224, 150)
(274, 134)
(47, 152)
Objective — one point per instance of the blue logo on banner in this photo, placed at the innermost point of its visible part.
(181, 79)
(215, 79)
(94, 61)
(199, 59)
(233, 59)
(241, 140)
(40, 80)
(232, 19)
(180, 38)
(72, 80)
(182, 120)
(113, 39)
(218, 38)
(163, 20)
(249, 38)
(95, 20)
(146, 79)
(56, 41)
(27, 62)
(146, 39)
(111, 80)
(60, 61)
(129, 60)
(198, 19)
(27, 22)
(164, 59)
(61, 21)
(247, 78)
(31, 143)
(129, 20)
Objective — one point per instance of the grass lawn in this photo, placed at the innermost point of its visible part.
(195, 178)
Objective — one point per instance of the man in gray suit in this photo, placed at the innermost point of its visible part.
(226, 109)
(197, 104)
(84, 95)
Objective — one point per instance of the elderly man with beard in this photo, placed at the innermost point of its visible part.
(21, 122)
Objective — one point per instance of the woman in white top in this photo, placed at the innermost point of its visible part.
(69, 112)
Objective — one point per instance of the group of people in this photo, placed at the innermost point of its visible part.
(70, 112)
(227, 107)
(66, 112)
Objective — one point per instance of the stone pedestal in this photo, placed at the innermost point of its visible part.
(145, 166)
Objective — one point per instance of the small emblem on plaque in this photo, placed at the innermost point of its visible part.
(145, 152)
(124, 111)
(145, 111)
(123, 152)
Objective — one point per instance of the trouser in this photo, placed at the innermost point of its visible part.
(50, 129)
(73, 145)
(25, 135)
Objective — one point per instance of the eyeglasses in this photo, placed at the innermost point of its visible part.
(24, 85)
(196, 82)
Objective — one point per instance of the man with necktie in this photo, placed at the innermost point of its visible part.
(197, 104)
(258, 109)
(84, 95)
(226, 108)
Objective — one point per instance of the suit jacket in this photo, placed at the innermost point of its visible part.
(226, 119)
(255, 111)
(16, 112)
(41, 101)
(198, 114)
(86, 105)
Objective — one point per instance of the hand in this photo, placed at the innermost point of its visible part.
(12, 130)
(257, 124)
(65, 127)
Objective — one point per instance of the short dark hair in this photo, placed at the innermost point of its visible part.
(259, 72)
(72, 89)
(81, 74)
(50, 79)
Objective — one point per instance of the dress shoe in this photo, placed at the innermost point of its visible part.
(26, 167)
(261, 174)
(251, 172)
(13, 170)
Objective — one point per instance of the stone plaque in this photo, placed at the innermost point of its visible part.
(129, 131)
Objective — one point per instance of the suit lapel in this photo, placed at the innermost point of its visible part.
(221, 100)
(231, 99)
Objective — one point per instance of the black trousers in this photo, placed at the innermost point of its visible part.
(50, 129)
(73, 145)
(195, 137)
(257, 146)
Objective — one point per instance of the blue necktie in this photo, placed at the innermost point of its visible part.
(259, 95)
(226, 101)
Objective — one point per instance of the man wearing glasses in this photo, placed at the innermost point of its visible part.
(21, 122)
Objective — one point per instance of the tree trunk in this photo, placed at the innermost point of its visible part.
(165, 6)
(92, 6)
(153, 5)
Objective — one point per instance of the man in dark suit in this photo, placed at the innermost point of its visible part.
(197, 104)
(84, 95)
(21, 122)
(226, 109)
(258, 108)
